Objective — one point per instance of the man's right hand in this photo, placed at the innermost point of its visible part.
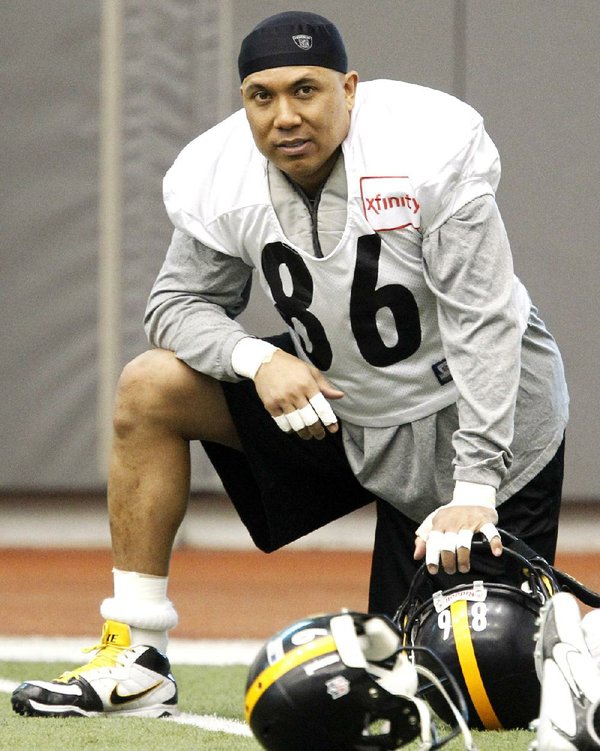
(295, 394)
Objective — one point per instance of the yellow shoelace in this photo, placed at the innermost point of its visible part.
(107, 657)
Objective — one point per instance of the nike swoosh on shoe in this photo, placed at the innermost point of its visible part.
(116, 698)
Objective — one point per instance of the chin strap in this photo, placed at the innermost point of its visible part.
(564, 582)
(568, 583)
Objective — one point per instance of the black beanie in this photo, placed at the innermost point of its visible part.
(292, 38)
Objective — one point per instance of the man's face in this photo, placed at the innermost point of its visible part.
(299, 115)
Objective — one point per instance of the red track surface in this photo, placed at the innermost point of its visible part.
(217, 594)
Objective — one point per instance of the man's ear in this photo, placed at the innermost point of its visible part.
(350, 84)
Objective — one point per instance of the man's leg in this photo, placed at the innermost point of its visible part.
(161, 405)
(393, 566)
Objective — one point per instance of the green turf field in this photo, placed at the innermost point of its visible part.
(204, 691)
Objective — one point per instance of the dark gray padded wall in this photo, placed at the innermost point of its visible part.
(48, 230)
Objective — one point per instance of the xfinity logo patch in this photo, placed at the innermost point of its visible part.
(389, 203)
(304, 41)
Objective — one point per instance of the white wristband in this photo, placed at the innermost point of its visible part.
(249, 354)
(473, 494)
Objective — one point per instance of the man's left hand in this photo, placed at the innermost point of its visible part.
(446, 535)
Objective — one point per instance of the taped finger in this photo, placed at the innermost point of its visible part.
(282, 423)
(308, 415)
(424, 528)
(465, 537)
(295, 420)
(489, 531)
(323, 409)
(449, 542)
(434, 546)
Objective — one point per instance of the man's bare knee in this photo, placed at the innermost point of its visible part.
(147, 388)
(159, 391)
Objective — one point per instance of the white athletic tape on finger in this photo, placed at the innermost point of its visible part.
(424, 528)
(465, 537)
(295, 420)
(489, 531)
(434, 544)
(282, 423)
(308, 415)
(449, 542)
(323, 409)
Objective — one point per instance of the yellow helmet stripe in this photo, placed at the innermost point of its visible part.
(298, 656)
(469, 666)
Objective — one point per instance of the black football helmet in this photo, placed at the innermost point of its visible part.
(483, 630)
(344, 682)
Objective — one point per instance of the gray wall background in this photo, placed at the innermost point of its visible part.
(531, 67)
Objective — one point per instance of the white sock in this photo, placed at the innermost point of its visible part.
(157, 639)
(140, 600)
(129, 585)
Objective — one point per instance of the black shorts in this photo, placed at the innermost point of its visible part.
(284, 487)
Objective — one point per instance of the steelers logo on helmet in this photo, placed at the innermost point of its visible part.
(342, 682)
(483, 630)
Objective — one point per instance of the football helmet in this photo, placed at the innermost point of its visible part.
(344, 682)
(483, 630)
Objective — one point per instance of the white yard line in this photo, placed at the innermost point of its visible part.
(213, 723)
